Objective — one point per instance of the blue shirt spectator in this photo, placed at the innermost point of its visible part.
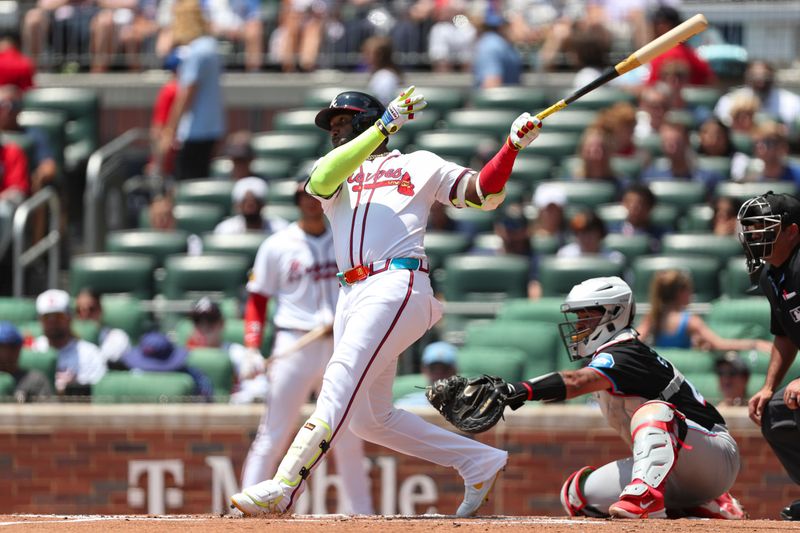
(496, 61)
(201, 68)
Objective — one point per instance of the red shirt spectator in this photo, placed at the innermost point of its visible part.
(13, 171)
(700, 72)
(15, 68)
(163, 104)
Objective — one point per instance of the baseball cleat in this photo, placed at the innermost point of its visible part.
(476, 495)
(263, 498)
(639, 500)
(725, 507)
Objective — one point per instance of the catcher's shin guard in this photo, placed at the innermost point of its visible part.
(573, 499)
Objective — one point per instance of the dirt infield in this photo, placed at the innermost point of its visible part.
(337, 524)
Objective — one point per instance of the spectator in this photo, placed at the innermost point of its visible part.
(760, 82)
(240, 151)
(161, 215)
(438, 362)
(654, 103)
(249, 199)
(595, 151)
(239, 21)
(619, 121)
(549, 200)
(715, 141)
(385, 77)
(669, 324)
(155, 353)
(29, 385)
(771, 153)
(14, 181)
(121, 23)
(515, 237)
(70, 33)
(591, 49)
(496, 62)
(733, 374)
(196, 121)
(209, 324)
(743, 108)
(639, 201)
(699, 72)
(451, 38)
(301, 33)
(589, 230)
(17, 68)
(163, 163)
(80, 363)
(113, 342)
(725, 210)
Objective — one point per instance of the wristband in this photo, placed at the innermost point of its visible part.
(382, 128)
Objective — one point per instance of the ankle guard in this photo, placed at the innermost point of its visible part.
(311, 441)
(573, 498)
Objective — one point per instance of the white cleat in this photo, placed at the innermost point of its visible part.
(476, 495)
(263, 498)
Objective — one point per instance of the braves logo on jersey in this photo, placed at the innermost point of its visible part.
(392, 177)
(317, 271)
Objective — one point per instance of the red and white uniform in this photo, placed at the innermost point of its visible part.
(299, 270)
(380, 213)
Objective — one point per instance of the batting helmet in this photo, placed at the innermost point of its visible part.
(366, 110)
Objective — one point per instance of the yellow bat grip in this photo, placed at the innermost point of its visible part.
(558, 106)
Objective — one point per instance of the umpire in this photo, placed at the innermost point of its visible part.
(770, 237)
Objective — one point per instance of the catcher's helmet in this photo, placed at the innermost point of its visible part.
(366, 110)
(761, 219)
(613, 297)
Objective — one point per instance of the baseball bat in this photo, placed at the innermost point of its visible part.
(643, 55)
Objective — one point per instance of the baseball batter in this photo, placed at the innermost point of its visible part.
(684, 460)
(378, 203)
(296, 266)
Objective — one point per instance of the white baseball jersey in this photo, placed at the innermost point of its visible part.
(300, 271)
(376, 214)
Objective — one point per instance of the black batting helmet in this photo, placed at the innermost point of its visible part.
(366, 110)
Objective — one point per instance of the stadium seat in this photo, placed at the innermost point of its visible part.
(479, 277)
(215, 364)
(706, 383)
(441, 244)
(720, 247)
(555, 145)
(516, 98)
(545, 244)
(88, 330)
(698, 96)
(748, 310)
(663, 215)
(541, 310)
(286, 144)
(297, 120)
(681, 194)
(718, 165)
(735, 280)
(126, 313)
(197, 218)
(745, 191)
(442, 99)
(185, 274)
(488, 242)
(471, 220)
(143, 387)
(600, 99)
(742, 142)
(113, 273)
(272, 168)
(507, 363)
(495, 123)
(17, 310)
(7, 386)
(625, 167)
(286, 212)
(530, 171)
(704, 271)
(688, 360)
(458, 144)
(205, 191)
(697, 219)
(153, 243)
(588, 193)
(538, 340)
(245, 244)
(407, 384)
(650, 144)
(631, 246)
(282, 192)
(569, 121)
(321, 97)
(44, 362)
(558, 275)
(53, 123)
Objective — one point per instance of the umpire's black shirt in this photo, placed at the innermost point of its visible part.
(781, 284)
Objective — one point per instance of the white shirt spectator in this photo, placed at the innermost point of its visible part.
(80, 357)
(780, 103)
(236, 225)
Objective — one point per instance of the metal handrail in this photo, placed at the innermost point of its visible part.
(6, 213)
(99, 173)
(49, 243)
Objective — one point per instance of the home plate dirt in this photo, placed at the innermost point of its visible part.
(395, 524)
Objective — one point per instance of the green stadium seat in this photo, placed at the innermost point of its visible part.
(88, 330)
(153, 243)
(545, 244)
(408, 384)
(478, 277)
(44, 362)
(706, 383)
(113, 273)
(697, 219)
(663, 215)
(126, 313)
(452, 144)
(185, 274)
(569, 121)
(245, 244)
(697, 96)
(720, 247)
(271, 168)
(143, 387)
(507, 363)
(742, 142)
(282, 192)
(747, 190)
(17, 310)
(214, 363)
(681, 194)
(718, 165)
(704, 271)
(688, 360)
(530, 171)
(539, 341)
(441, 244)
(735, 280)
(588, 193)
(321, 97)
(494, 123)
(729, 330)
(473, 220)
(558, 275)
(205, 191)
(600, 99)
(631, 246)
(197, 218)
(650, 144)
(546, 309)
(442, 99)
(221, 168)
(7, 386)
(489, 242)
(625, 167)
(286, 212)
(516, 98)
(555, 145)
(297, 120)
(53, 123)
(751, 310)
(290, 145)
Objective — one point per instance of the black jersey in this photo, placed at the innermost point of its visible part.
(782, 286)
(634, 369)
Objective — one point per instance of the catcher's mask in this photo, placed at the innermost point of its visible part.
(366, 110)
(603, 307)
(761, 220)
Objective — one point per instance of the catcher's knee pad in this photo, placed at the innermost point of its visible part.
(311, 441)
(573, 498)
(655, 434)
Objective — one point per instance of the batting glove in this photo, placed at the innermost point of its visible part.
(402, 109)
(524, 130)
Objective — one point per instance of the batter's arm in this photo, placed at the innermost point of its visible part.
(255, 316)
(342, 161)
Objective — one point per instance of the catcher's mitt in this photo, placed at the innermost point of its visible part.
(471, 405)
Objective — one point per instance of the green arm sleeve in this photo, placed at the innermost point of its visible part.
(342, 161)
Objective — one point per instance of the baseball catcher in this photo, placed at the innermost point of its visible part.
(684, 460)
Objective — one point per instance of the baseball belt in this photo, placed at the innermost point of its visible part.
(362, 272)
